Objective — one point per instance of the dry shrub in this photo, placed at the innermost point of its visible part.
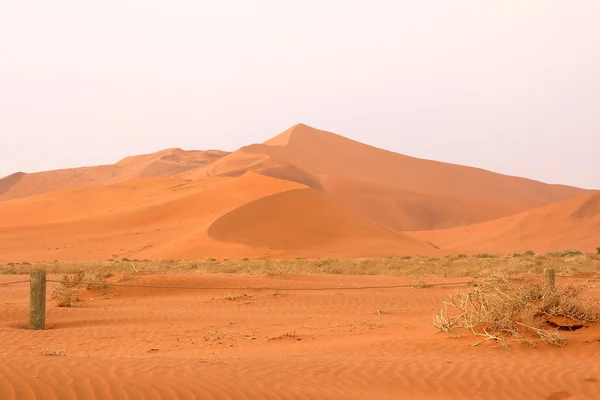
(127, 276)
(279, 274)
(66, 294)
(98, 283)
(498, 309)
(419, 283)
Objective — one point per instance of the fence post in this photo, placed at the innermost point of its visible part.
(37, 300)
(550, 279)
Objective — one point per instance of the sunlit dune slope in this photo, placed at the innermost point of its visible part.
(305, 219)
(573, 224)
(323, 153)
(146, 218)
(164, 163)
(401, 192)
(240, 162)
(166, 218)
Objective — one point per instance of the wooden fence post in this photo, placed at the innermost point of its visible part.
(550, 279)
(37, 300)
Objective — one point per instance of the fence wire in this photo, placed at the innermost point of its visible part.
(13, 283)
(262, 287)
(249, 288)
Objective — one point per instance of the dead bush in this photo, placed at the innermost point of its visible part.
(498, 309)
(127, 276)
(66, 294)
(98, 283)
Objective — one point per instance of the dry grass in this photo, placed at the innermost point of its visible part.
(499, 309)
(234, 296)
(97, 281)
(57, 352)
(457, 266)
(67, 292)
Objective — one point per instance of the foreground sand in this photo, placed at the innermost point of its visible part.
(247, 344)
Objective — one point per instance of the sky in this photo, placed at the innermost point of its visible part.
(511, 86)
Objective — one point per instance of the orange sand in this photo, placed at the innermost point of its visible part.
(178, 344)
(573, 224)
(304, 193)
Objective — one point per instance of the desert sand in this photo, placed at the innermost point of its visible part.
(303, 193)
(294, 210)
(141, 343)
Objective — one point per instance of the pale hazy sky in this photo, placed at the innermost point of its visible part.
(507, 85)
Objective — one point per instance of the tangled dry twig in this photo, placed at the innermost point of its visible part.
(497, 309)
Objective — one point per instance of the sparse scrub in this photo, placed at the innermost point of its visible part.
(57, 352)
(484, 255)
(530, 253)
(598, 250)
(8, 271)
(277, 274)
(127, 276)
(461, 256)
(457, 266)
(234, 296)
(98, 283)
(419, 284)
(66, 294)
(498, 309)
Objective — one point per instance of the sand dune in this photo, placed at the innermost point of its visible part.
(165, 218)
(323, 153)
(147, 218)
(305, 219)
(573, 224)
(408, 211)
(305, 193)
(241, 161)
(164, 163)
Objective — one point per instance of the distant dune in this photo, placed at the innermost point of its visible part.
(570, 225)
(165, 163)
(306, 192)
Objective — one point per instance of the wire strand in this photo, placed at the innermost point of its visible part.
(280, 288)
(261, 287)
(13, 283)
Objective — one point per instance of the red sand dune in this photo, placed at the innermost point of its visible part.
(305, 192)
(306, 220)
(163, 163)
(323, 153)
(573, 224)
